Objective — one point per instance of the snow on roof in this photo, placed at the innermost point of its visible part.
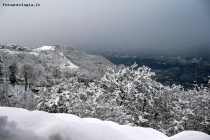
(40, 125)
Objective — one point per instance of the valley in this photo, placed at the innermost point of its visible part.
(172, 70)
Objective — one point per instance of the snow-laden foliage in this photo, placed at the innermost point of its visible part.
(130, 92)
(48, 67)
(131, 95)
(65, 98)
(126, 95)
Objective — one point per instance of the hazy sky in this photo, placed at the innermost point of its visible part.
(119, 23)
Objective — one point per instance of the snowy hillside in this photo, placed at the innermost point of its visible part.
(49, 65)
(76, 58)
(37, 125)
(63, 62)
(60, 58)
(66, 56)
(68, 63)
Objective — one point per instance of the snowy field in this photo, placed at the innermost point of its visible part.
(21, 124)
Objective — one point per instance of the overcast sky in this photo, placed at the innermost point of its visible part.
(127, 23)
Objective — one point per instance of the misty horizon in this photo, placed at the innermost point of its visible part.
(137, 25)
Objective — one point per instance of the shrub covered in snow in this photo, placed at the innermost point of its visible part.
(131, 95)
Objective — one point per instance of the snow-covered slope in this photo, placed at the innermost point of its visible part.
(11, 52)
(38, 125)
(190, 135)
(68, 63)
(59, 57)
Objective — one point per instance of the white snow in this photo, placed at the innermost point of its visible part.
(11, 52)
(45, 48)
(34, 53)
(63, 61)
(190, 135)
(49, 126)
(68, 63)
(61, 54)
(57, 100)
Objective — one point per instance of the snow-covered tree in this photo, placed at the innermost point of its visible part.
(130, 95)
(1, 71)
(130, 91)
(13, 73)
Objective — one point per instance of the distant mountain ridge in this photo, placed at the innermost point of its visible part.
(196, 51)
(50, 64)
(79, 58)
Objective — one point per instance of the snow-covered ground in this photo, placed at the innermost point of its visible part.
(44, 48)
(68, 64)
(38, 125)
(64, 62)
(18, 52)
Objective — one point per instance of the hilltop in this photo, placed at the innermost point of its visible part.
(52, 61)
